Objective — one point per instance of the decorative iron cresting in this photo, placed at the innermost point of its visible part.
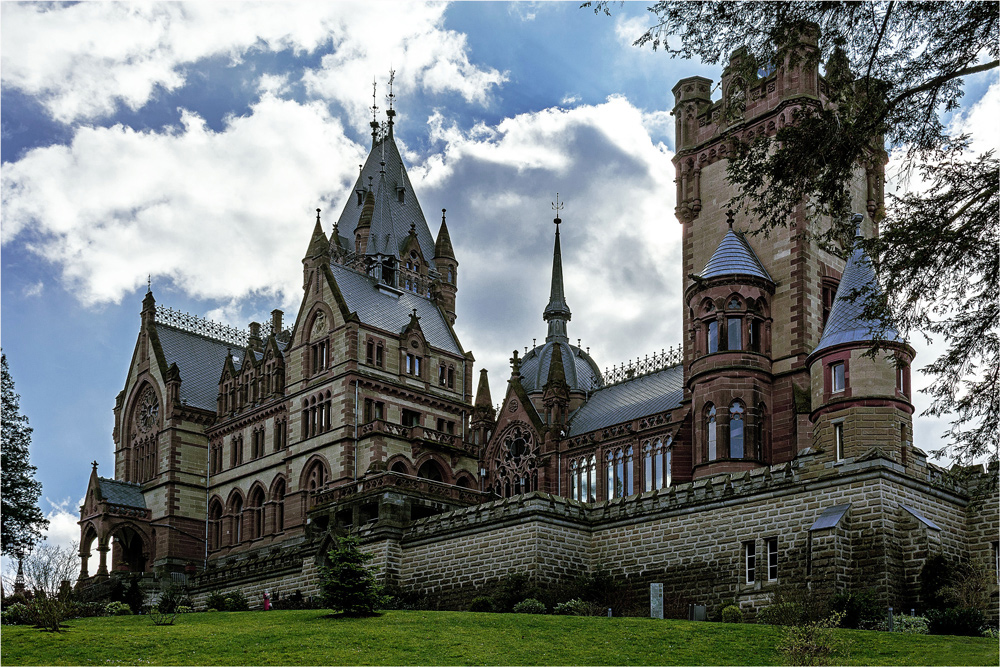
(238, 338)
(645, 366)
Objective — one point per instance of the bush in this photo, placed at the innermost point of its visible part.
(397, 597)
(481, 603)
(294, 601)
(49, 611)
(732, 614)
(780, 613)
(510, 590)
(813, 643)
(956, 621)
(215, 601)
(184, 609)
(348, 585)
(88, 609)
(159, 617)
(117, 608)
(235, 601)
(529, 606)
(910, 625)
(17, 613)
(171, 597)
(577, 607)
(935, 576)
(861, 609)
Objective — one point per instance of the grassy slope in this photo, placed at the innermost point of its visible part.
(447, 638)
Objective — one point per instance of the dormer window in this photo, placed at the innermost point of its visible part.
(320, 358)
(361, 197)
(412, 365)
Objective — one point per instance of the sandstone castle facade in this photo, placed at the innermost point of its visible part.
(767, 449)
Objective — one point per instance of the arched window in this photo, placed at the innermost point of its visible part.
(647, 466)
(516, 471)
(431, 470)
(574, 480)
(214, 524)
(736, 430)
(316, 478)
(657, 464)
(278, 497)
(399, 467)
(710, 432)
(255, 508)
(621, 471)
(236, 520)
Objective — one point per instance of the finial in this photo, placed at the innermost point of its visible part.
(557, 206)
(370, 179)
(94, 463)
(149, 283)
(361, 168)
(442, 214)
(515, 364)
(729, 218)
(317, 215)
(857, 219)
(414, 313)
(413, 228)
(391, 97)
(374, 106)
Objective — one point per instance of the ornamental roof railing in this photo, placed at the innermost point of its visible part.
(238, 338)
(644, 366)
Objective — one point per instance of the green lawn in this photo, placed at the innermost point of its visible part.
(448, 638)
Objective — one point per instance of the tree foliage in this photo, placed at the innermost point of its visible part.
(348, 584)
(22, 520)
(895, 70)
(46, 567)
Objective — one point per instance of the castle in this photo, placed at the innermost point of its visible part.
(768, 449)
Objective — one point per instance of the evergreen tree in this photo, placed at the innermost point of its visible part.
(894, 71)
(22, 520)
(348, 584)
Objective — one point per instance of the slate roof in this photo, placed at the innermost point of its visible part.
(402, 214)
(845, 323)
(920, 517)
(582, 373)
(830, 517)
(391, 312)
(382, 239)
(734, 256)
(617, 403)
(122, 493)
(199, 360)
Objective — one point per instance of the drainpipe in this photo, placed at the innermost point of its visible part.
(208, 490)
(559, 472)
(355, 457)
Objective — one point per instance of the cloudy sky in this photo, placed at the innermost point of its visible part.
(192, 142)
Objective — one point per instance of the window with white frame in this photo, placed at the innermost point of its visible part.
(838, 440)
(750, 561)
(837, 379)
(772, 559)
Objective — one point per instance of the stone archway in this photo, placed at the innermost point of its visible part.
(129, 550)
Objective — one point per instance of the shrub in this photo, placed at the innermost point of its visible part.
(294, 601)
(88, 609)
(481, 603)
(348, 585)
(117, 608)
(171, 597)
(780, 613)
(215, 601)
(529, 606)
(49, 611)
(159, 617)
(861, 609)
(577, 607)
(935, 575)
(956, 621)
(510, 590)
(235, 601)
(732, 614)
(813, 643)
(184, 609)
(910, 625)
(397, 597)
(17, 613)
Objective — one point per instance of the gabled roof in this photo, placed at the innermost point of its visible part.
(200, 361)
(617, 403)
(734, 256)
(392, 312)
(121, 493)
(403, 214)
(845, 323)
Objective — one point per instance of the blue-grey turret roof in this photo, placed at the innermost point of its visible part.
(734, 256)
(846, 322)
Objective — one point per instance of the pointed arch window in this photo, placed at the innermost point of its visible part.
(657, 463)
(278, 497)
(255, 510)
(214, 524)
(620, 468)
(736, 430)
(516, 464)
(710, 433)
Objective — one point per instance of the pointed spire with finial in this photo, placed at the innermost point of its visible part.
(319, 245)
(390, 112)
(374, 124)
(483, 399)
(557, 312)
(515, 365)
(442, 247)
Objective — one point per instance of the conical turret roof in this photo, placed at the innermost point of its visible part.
(483, 398)
(442, 247)
(318, 244)
(846, 322)
(734, 256)
(557, 312)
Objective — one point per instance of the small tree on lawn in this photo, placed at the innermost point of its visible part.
(349, 585)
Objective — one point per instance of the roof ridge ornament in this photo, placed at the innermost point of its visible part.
(729, 218)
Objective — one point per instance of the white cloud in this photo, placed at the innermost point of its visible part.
(569, 100)
(621, 243)
(84, 60)
(223, 214)
(63, 530)
(629, 29)
(980, 121)
(34, 289)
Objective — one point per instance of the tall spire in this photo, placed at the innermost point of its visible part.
(557, 313)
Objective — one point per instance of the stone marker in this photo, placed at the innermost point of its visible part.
(656, 601)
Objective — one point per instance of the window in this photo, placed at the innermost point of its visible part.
(215, 460)
(711, 436)
(280, 434)
(772, 559)
(410, 418)
(754, 341)
(713, 336)
(838, 440)
(750, 561)
(257, 443)
(370, 352)
(413, 365)
(621, 481)
(734, 339)
(574, 480)
(657, 463)
(837, 377)
(829, 294)
(319, 356)
(236, 451)
(583, 479)
(445, 426)
(373, 410)
(451, 378)
(736, 430)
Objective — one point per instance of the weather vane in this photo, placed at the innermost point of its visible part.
(557, 206)
(374, 105)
